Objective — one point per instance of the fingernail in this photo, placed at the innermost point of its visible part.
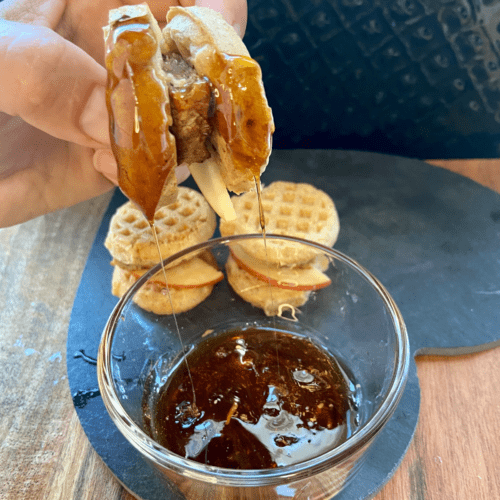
(182, 173)
(237, 28)
(105, 163)
(94, 118)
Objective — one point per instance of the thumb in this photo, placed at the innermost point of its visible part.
(233, 11)
(52, 84)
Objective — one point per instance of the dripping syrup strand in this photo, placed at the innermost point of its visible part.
(153, 229)
(262, 221)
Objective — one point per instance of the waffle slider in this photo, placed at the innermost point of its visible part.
(188, 221)
(281, 274)
(189, 94)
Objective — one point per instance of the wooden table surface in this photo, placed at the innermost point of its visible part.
(44, 453)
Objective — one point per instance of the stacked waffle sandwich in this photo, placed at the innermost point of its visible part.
(281, 273)
(188, 221)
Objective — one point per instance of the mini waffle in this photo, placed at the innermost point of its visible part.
(290, 209)
(153, 297)
(257, 292)
(188, 221)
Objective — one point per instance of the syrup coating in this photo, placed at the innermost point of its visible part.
(245, 126)
(137, 100)
(243, 122)
(149, 129)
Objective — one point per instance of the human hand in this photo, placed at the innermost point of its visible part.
(54, 139)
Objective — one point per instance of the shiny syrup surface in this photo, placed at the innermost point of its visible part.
(242, 116)
(264, 399)
(140, 137)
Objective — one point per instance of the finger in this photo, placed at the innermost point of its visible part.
(158, 8)
(52, 84)
(182, 173)
(60, 178)
(233, 11)
(105, 163)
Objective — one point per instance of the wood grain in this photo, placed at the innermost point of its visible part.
(41, 264)
(45, 455)
(485, 172)
(455, 452)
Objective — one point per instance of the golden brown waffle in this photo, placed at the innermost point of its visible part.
(291, 209)
(188, 221)
(151, 296)
(204, 40)
(272, 300)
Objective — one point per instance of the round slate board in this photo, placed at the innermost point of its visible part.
(432, 237)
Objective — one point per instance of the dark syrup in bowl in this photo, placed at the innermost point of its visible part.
(262, 399)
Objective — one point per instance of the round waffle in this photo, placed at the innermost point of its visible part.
(291, 209)
(151, 297)
(272, 300)
(188, 221)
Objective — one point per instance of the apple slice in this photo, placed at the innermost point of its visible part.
(194, 273)
(288, 278)
(209, 179)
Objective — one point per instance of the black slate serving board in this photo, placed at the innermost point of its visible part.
(431, 236)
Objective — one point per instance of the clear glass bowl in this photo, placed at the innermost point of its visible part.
(354, 317)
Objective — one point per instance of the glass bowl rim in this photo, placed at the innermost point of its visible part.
(232, 477)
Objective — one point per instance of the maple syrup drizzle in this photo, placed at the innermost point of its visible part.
(167, 288)
(139, 128)
(242, 116)
(262, 221)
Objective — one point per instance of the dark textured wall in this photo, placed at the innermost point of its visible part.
(418, 78)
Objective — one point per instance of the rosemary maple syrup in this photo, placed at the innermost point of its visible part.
(248, 413)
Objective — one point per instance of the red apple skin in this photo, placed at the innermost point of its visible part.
(273, 282)
(209, 283)
(181, 287)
